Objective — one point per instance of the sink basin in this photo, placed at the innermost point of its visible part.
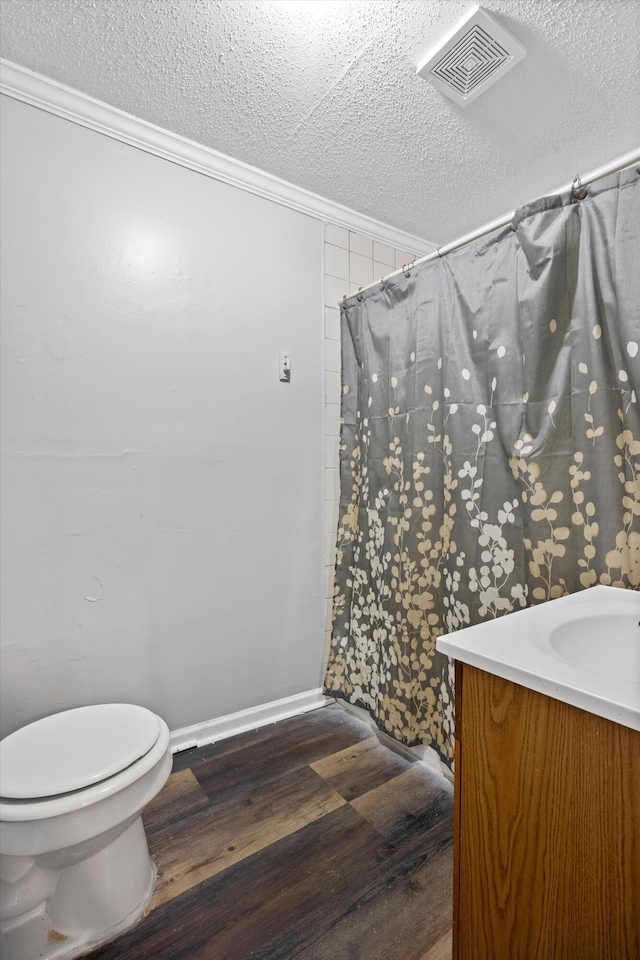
(583, 649)
(607, 645)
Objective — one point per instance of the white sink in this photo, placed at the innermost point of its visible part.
(608, 644)
(583, 649)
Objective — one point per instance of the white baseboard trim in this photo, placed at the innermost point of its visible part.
(63, 101)
(210, 731)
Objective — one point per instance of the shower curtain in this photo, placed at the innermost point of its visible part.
(490, 446)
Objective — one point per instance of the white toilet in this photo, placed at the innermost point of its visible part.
(75, 869)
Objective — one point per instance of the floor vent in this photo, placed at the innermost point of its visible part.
(476, 53)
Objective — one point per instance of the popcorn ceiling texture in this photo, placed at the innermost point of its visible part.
(325, 95)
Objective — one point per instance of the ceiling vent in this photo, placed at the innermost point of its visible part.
(476, 53)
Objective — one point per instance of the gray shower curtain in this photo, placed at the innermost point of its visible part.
(490, 446)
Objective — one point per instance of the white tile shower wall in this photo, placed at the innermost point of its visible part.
(350, 261)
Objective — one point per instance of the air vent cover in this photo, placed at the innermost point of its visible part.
(476, 53)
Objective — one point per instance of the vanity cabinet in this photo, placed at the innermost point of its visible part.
(547, 827)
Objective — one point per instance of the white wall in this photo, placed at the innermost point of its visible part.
(161, 489)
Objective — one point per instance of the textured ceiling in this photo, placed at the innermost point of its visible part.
(325, 95)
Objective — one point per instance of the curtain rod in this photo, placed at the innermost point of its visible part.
(626, 160)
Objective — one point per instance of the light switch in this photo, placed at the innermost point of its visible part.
(285, 367)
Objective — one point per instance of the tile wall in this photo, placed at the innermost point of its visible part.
(350, 261)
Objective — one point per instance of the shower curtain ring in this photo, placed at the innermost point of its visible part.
(578, 190)
(405, 269)
(381, 286)
(359, 295)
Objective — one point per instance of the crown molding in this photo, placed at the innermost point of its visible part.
(62, 101)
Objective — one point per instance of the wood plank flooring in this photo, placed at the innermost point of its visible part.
(303, 840)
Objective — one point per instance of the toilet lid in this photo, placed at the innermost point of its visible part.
(74, 749)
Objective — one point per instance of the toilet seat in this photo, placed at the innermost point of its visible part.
(74, 750)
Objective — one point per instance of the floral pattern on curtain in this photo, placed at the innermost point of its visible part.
(490, 446)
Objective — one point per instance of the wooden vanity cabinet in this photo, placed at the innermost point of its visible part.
(547, 827)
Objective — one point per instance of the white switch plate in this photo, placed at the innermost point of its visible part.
(285, 367)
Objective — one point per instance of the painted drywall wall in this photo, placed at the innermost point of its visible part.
(161, 489)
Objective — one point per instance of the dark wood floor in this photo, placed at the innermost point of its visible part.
(303, 840)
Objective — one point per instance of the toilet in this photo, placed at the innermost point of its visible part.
(75, 869)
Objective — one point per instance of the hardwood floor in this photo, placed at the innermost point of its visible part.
(303, 840)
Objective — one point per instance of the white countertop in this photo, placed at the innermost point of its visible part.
(582, 649)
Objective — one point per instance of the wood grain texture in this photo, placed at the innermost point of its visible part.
(266, 905)
(231, 830)
(277, 747)
(442, 950)
(549, 859)
(397, 919)
(417, 800)
(181, 796)
(277, 865)
(360, 768)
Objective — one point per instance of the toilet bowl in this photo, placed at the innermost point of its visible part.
(75, 869)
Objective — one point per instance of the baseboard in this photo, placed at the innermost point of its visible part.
(220, 728)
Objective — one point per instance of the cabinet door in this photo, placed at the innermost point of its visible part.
(548, 862)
